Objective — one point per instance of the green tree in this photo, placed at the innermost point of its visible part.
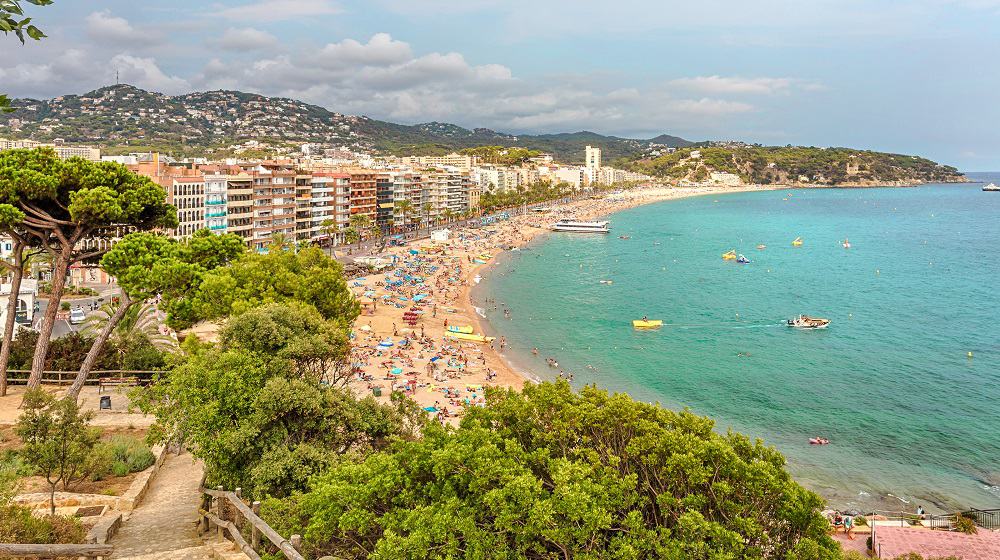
(306, 276)
(57, 438)
(67, 203)
(20, 258)
(550, 473)
(405, 208)
(362, 224)
(12, 20)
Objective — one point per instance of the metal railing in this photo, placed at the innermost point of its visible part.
(985, 518)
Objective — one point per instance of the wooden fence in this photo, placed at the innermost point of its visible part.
(233, 518)
(56, 550)
(66, 377)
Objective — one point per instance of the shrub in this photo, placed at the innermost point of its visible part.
(965, 525)
(118, 456)
(120, 469)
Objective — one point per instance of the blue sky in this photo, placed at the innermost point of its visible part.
(919, 76)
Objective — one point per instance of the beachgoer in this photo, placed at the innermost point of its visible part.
(849, 526)
(920, 511)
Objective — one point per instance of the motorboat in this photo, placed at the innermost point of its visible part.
(607, 281)
(761, 247)
(581, 227)
(729, 256)
(647, 324)
(991, 187)
(742, 260)
(797, 242)
(807, 322)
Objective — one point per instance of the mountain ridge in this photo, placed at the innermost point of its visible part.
(124, 116)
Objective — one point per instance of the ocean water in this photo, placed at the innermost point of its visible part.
(912, 418)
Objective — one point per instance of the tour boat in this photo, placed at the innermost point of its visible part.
(991, 187)
(729, 256)
(581, 227)
(797, 242)
(647, 324)
(807, 322)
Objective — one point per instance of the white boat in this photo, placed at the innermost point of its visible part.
(807, 322)
(581, 227)
(991, 187)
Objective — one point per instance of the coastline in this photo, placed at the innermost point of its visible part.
(469, 366)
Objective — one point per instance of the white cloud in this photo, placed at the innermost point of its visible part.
(103, 27)
(720, 85)
(381, 50)
(275, 10)
(146, 74)
(246, 39)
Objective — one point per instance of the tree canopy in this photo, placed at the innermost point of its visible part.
(549, 473)
(306, 276)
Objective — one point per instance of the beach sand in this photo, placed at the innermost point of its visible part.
(440, 373)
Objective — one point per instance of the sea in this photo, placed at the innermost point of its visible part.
(905, 382)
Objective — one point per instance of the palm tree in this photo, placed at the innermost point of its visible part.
(361, 223)
(142, 319)
(449, 215)
(281, 242)
(404, 207)
(329, 228)
(427, 207)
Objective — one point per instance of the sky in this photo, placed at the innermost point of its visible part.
(913, 76)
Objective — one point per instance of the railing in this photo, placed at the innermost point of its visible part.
(232, 516)
(65, 377)
(985, 518)
(56, 550)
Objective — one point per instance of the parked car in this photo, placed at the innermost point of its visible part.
(76, 316)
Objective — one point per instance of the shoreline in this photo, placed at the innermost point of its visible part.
(468, 366)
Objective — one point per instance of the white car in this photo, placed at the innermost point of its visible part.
(76, 316)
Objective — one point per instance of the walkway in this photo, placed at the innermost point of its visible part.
(164, 526)
(896, 541)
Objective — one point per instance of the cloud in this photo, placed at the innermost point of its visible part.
(719, 85)
(146, 74)
(102, 27)
(276, 10)
(246, 39)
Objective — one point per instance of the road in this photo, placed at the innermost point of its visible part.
(62, 326)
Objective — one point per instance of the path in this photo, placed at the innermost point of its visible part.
(165, 527)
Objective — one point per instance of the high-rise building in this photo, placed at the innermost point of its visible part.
(593, 159)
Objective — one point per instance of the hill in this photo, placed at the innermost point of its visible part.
(126, 118)
(794, 165)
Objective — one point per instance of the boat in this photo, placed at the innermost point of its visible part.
(846, 244)
(625, 237)
(797, 242)
(607, 281)
(470, 337)
(647, 324)
(818, 441)
(761, 247)
(742, 260)
(581, 227)
(729, 256)
(461, 329)
(807, 322)
(991, 187)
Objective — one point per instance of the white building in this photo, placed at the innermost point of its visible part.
(25, 301)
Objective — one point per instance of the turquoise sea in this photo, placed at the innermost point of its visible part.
(912, 418)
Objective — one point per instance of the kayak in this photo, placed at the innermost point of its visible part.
(640, 324)
(470, 337)
(463, 330)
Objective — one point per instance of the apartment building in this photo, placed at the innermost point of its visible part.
(364, 193)
(273, 204)
(458, 161)
(63, 151)
(187, 194)
(239, 205)
(216, 198)
(329, 203)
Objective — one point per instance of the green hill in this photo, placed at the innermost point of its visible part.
(794, 165)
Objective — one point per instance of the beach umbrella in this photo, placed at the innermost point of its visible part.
(430, 409)
(386, 343)
(396, 371)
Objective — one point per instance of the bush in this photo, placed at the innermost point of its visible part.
(965, 525)
(119, 456)
(18, 525)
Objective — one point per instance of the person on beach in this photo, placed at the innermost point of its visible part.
(849, 526)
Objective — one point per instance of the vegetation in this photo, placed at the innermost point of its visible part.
(57, 438)
(12, 20)
(119, 456)
(307, 276)
(131, 350)
(62, 204)
(19, 525)
(551, 473)
(794, 164)
(500, 155)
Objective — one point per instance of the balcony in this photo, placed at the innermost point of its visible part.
(215, 214)
(215, 202)
(216, 228)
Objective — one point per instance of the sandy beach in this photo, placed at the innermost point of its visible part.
(431, 282)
